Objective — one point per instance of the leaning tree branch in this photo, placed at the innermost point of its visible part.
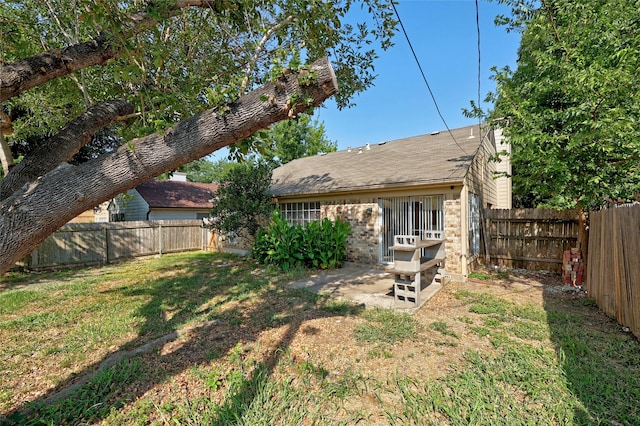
(63, 145)
(33, 71)
(633, 157)
(39, 208)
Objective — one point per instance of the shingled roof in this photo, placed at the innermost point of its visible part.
(177, 194)
(436, 158)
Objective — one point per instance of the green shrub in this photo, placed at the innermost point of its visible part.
(280, 245)
(319, 244)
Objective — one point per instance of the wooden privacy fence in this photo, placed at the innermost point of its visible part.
(532, 239)
(613, 270)
(95, 243)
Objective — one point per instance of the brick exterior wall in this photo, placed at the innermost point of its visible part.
(363, 242)
(452, 234)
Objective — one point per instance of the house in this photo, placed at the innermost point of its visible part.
(419, 185)
(174, 199)
(100, 213)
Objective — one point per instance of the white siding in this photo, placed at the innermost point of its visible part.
(503, 184)
(136, 208)
(132, 205)
(479, 179)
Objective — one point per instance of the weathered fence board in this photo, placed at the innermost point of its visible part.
(613, 270)
(95, 243)
(531, 239)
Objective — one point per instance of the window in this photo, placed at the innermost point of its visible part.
(230, 238)
(474, 224)
(117, 217)
(300, 213)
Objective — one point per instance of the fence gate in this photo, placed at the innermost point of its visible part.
(420, 216)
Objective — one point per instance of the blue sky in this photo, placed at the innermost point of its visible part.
(444, 36)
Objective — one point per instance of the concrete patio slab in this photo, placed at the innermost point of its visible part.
(369, 286)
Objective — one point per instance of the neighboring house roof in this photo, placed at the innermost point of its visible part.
(177, 194)
(436, 158)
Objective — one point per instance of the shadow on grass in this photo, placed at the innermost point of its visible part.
(19, 279)
(234, 299)
(601, 363)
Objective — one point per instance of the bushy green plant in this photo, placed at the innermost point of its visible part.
(319, 244)
(242, 200)
(280, 244)
(326, 243)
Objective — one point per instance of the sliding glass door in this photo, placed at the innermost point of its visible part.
(421, 216)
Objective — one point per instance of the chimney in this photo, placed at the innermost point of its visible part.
(179, 177)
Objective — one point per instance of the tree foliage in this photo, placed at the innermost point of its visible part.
(175, 61)
(571, 107)
(202, 170)
(282, 142)
(243, 202)
(287, 140)
(170, 81)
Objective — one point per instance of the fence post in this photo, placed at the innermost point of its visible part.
(129, 240)
(106, 245)
(34, 258)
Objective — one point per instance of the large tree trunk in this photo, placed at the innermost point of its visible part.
(40, 207)
(583, 234)
(64, 145)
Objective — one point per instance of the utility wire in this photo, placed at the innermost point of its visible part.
(424, 77)
(479, 68)
(478, 30)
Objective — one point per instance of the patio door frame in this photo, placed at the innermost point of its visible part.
(419, 215)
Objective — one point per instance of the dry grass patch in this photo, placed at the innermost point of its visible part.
(505, 350)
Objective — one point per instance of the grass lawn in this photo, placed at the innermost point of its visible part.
(206, 338)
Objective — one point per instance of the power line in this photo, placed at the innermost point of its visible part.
(479, 68)
(424, 77)
(478, 31)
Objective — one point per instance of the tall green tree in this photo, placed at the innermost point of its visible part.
(202, 170)
(571, 107)
(243, 202)
(282, 142)
(175, 80)
(287, 140)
